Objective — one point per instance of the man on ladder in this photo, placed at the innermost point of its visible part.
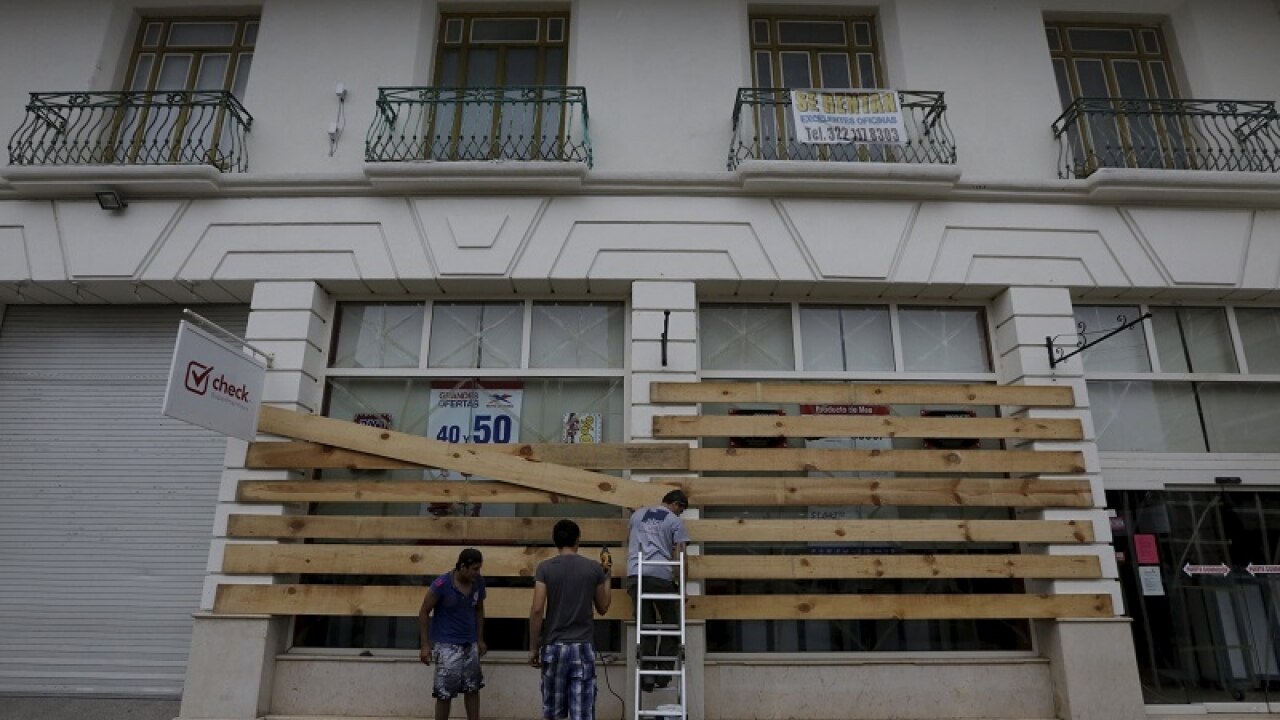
(659, 537)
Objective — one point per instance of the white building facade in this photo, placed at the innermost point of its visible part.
(575, 199)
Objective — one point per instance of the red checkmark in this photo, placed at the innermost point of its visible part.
(198, 377)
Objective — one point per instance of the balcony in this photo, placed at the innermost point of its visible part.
(1213, 135)
(181, 127)
(529, 124)
(763, 129)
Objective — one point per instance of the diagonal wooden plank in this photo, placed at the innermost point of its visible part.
(558, 479)
(862, 394)
(594, 531)
(939, 461)
(384, 491)
(402, 601)
(694, 426)
(601, 456)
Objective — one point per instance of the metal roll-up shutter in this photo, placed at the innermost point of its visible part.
(106, 507)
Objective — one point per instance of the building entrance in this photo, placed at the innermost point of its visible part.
(1199, 574)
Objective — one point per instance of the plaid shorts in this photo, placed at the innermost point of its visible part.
(457, 670)
(568, 681)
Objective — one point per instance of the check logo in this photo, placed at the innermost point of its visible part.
(197, 377)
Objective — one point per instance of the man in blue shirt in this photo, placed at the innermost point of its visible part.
(658, 533)
(453, 638)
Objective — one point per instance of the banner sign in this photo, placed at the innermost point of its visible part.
(471, 414)
(214, 384)
(838, 117)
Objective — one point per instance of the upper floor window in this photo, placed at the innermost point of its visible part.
(502, 50)
(844, 338)
(1192, 379)
(793, 52)
(193, 54)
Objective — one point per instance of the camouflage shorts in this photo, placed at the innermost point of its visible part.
(457, 670)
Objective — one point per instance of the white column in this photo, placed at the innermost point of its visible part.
(232, 660)
(1093, 664)
(671, 306)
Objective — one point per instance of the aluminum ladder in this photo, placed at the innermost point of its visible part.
(672, 667)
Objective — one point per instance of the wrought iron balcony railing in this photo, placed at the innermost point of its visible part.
(179, 127)
(480, 123)
(1222, 135)
(763, 130)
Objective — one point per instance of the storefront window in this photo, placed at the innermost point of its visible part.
(1196, 573)
(578, 352)
(831, 342)
(1189, 380)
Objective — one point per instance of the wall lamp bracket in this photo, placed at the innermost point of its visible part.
(111, 200)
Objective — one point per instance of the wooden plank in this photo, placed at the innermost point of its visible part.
(602, 456)
(694, 426)
(595, 531)
(939, 461)
(868, 567)
(348, 559)
(386, 491)
(704, 492)
(862, 394)
(402, 601)
(373, 600)
(897, 607)
(549, 477)
(934, 491)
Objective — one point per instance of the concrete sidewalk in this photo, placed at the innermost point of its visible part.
(18, 707)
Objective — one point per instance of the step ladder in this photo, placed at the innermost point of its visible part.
(669, 667)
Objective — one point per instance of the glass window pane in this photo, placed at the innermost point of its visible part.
(760, 32)
(1160, 79)
(1150, 41)
(453, 30)
(151, 36)
(1064, 85)
(811, 32)
(576, 335)
(243, 63)
(173, 72)
(497, 30)
(1101, 39)
(1123, 352)
(378, 335)
(862, 34)
(867, 71)
(1241, 417)
(835, 70)
(1193, 340)
(553, 67)
(251, 34)
(522, 67)
(555, 30)
(1145, 416)
(142, 73)
(202, 34)
(476, 335)
(213, 72)
(944, 339)
(404, 399)
(746, 337)
(1260, 335)
(764, 70)
(795, 70)
(850, 338)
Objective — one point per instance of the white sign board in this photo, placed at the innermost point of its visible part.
(472, 414)
(1152, 584)
(839, 117)
(213, 384)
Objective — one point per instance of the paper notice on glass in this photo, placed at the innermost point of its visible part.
(1149, 577)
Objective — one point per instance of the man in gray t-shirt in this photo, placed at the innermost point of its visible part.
(565, 589)
(658, 533)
